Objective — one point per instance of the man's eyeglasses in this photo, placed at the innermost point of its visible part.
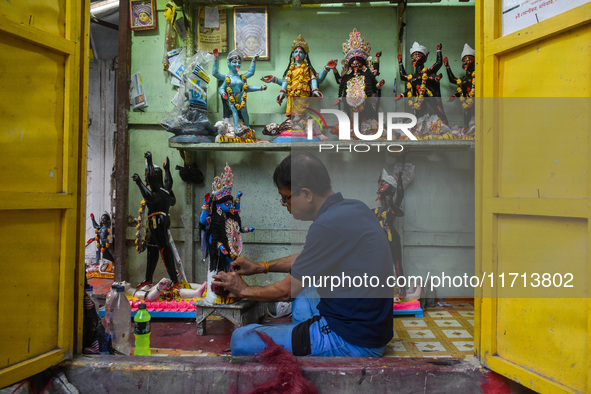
(285, 200)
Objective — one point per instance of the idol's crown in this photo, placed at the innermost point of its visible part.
(356, 46)
(300, 42)
(222, 185)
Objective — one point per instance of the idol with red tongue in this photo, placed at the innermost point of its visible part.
(300, 79)
(465, 84)
(358, 84)
(423, 83)
(221, 229)
(234, 88)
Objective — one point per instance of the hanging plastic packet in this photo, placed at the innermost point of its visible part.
(188, 121)
(197, 87)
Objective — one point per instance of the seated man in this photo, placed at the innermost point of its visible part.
(344, 241)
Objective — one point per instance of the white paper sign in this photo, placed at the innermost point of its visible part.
(212, 18)
(519, 14)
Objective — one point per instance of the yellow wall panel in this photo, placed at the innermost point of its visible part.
(539, 245)
(33, 124)
(542, 141)
(49, 16)
(555, 67)
(532, 196)
(43, 107)
(545, 335)
(30, 269)
(544, 328)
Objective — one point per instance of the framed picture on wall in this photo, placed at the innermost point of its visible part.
(251, 31)
(142, 14)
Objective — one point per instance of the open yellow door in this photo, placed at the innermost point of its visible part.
(43, 79)
(533, 191)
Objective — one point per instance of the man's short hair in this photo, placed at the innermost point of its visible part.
(301, 170)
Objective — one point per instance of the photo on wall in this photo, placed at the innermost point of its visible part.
(251, 32)
(142, 15)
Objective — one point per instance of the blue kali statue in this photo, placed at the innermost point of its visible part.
(234, 90)
(221, 227)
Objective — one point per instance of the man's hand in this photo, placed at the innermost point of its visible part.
(92, 216)
(230, 281)
(399, 59)
(439, 47)
(136, 178)
(245, 266)
(215, 54)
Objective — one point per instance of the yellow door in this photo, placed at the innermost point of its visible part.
(43, 63)
(533, 192)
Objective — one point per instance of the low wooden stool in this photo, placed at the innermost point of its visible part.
(240, 313)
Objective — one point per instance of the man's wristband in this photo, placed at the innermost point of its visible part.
(266, 266)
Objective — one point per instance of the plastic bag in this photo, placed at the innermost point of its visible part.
(188, 120)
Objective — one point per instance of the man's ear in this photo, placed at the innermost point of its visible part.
(308, 195)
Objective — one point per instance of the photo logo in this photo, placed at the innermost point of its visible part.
(319, 119)
(394, 121)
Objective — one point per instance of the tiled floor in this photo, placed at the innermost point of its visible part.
(444, 331)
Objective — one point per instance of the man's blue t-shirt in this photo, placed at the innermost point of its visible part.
(346, 244)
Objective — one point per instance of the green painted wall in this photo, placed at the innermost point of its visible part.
(439, 224)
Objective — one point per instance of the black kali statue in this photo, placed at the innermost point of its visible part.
(423, 83)
(465, 84)
(158, 197)
(102, 238)
(390, 196)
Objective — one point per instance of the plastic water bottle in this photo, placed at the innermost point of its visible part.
(142, 330)
(121, 322)
(90, 292)
(108, 309)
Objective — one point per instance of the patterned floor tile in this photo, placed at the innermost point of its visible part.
(420, 334)
(430, 346)
(415, 323)
(463, 306)
(471, 321)
(464, 346)
(441, 314)
(447, 323)
(397, 346)
(457, 333)
(467, 314)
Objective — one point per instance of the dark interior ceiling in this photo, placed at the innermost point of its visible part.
(104, 19)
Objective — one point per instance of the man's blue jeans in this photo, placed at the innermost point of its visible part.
(324, 342)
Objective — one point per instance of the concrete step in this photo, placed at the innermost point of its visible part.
(131, 374)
